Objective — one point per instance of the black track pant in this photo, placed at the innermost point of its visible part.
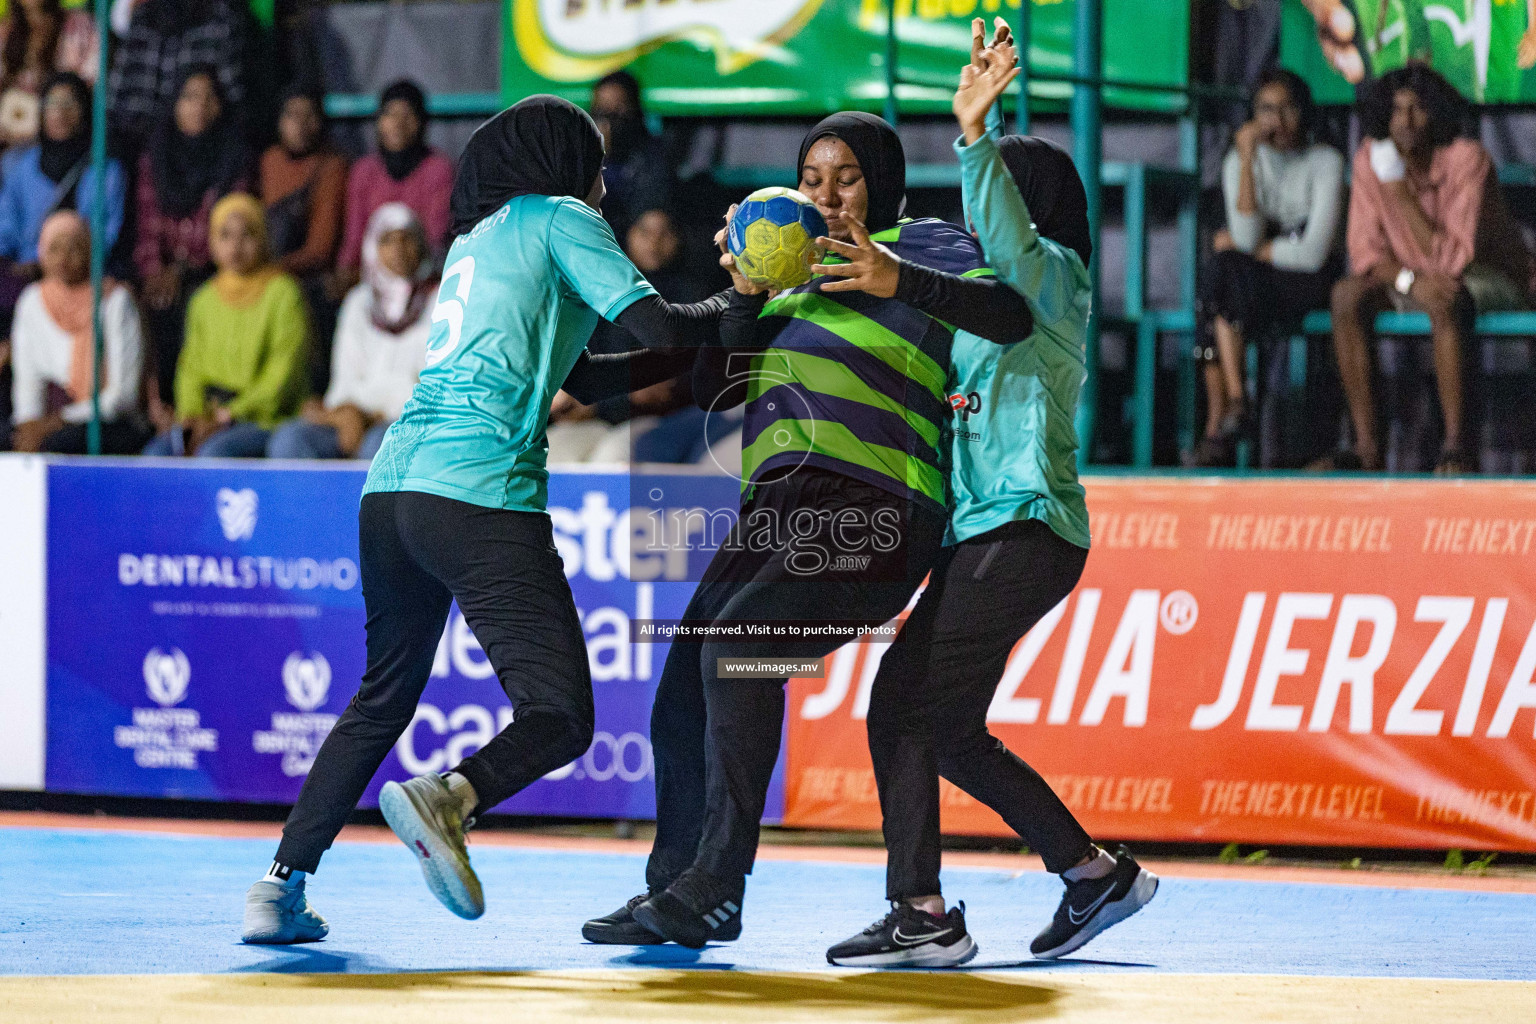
(928, 707)
(716, 740)
(419, 552)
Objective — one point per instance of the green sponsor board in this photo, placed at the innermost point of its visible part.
(817, 56)
(1485, 48)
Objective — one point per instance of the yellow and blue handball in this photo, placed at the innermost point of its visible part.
(773, 237)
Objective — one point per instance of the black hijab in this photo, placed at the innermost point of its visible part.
(1048, 181)
(542, 145)
(183, 169)
(878, 149)
(58, 156)
(402, 162)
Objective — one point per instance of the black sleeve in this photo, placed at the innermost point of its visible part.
(742, 325)
(720, 371)
(985, 306)
(657, 323)
(595, 378)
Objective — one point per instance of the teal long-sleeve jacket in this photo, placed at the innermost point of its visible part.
(1014, 449)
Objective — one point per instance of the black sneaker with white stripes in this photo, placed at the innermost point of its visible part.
(1091, 905)
(695, 909)
(620, 927)
(908, 937)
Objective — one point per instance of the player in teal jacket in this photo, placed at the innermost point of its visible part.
(1016, 546)
(454, 506)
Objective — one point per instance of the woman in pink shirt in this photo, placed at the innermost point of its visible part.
(1428, 230)
(404, 170)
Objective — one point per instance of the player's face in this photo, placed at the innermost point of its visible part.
(197, 106)
(832, 179)
(1409, 127)
(595, 197)
(1278, 116)
(236, 246)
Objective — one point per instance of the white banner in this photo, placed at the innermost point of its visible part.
(23, 618)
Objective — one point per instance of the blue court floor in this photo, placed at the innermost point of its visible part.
(102, 902)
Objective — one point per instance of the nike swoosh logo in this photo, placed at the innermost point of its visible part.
(917, 940)
(1075, 918)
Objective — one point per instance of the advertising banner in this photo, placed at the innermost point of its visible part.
(1268, 661)
(23, 482)
(206, 628)
(715, 57)
(1485, 48)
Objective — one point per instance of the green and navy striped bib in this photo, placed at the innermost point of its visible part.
(855, 384)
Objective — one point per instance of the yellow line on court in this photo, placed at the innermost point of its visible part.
(664, 996)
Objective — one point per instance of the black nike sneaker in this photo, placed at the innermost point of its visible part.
(620, 927)
(1091, 905)
(908, 937)
(695, 909)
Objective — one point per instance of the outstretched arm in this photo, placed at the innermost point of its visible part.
(1045, 275)
(981, 305)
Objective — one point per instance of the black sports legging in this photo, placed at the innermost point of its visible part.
(715, 740)
(419, 553)
(928, 707)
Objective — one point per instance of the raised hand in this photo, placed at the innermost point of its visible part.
(728, 261)
(1001, 33)
(871, 267)
(980, 87)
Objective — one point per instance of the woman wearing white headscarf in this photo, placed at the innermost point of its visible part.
(381, 346)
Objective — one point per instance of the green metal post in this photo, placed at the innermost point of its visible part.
(1022, 118)
(890, 61)
(98, 219)
(1088, 151)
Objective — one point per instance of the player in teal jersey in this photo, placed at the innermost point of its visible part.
(842, 515)
(454, 506)
(1016, 546)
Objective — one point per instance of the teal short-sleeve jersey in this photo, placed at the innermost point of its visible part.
(521, 294)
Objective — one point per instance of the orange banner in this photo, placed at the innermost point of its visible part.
(1281, 661)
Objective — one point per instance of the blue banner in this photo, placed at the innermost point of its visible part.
(206, 628)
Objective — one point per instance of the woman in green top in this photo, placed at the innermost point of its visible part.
(1017, 544)
(241, 368)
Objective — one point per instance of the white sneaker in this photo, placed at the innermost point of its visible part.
(278, 916)
(426, 817)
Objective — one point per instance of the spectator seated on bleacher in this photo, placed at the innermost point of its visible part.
(303, 183)
(52, 357)
(380, 349)
(1428, 230)
(636, 170)
(241, 370)
(55, 173)
(655, 424)
(166, 40)
(1276, 259)
(404, 170)
(38, 39)
(196, 157)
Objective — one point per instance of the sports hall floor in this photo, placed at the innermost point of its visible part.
(124, 920)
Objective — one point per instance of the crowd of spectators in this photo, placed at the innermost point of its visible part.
(1427, 229)
(271, 303)
(270, 297)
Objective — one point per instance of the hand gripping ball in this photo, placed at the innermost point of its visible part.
(773, 237)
